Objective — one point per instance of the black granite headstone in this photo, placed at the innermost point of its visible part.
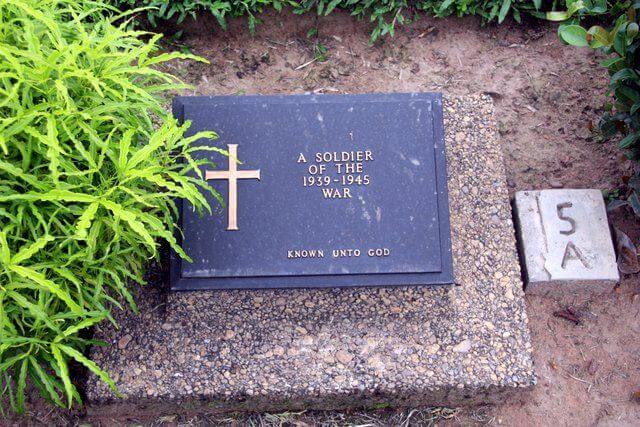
(332, 190)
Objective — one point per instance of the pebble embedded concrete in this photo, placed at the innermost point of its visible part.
(565, 242)
(336, 348)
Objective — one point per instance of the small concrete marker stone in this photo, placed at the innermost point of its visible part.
(565, 242)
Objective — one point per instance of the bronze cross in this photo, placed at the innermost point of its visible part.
(233, 175)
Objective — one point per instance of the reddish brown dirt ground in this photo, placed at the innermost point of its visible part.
(548, 97)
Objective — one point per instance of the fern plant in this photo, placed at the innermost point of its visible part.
(90, 165)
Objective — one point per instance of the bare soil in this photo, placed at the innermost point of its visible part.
(548, 100)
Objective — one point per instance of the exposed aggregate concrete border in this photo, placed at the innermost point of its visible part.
(335, 348)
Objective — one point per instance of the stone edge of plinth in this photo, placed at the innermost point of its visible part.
(449, 394)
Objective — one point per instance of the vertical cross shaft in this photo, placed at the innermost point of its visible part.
(233, 175)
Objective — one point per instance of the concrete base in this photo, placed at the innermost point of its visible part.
(335, 348)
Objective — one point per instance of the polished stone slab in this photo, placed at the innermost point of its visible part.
(565, 241)
(290, 349)
(333, 190)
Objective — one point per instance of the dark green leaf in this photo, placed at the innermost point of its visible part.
(332, 5)
(504, 9)
(622, 75)
(445, 4)
(634, 202)
(628, 140)
(632, 31)
(620, 41)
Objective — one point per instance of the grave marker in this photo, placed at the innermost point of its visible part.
(276, 349)
(333, 190)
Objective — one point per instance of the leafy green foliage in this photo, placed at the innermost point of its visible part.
(578, 9)
(90, 165)
(622, 44)
(162, 10)
(384, 14)
(489, 10)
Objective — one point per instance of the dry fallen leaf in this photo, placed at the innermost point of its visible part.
(627, 253)
(167, 419)
(568, 314)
